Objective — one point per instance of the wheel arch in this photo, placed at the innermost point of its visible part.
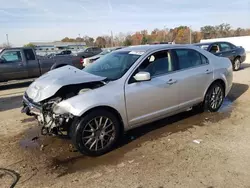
(220, 81)
(238, 56)
(109, 109)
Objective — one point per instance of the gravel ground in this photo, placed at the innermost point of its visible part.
(161, 154)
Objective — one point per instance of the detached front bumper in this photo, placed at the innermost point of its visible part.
(30, 108)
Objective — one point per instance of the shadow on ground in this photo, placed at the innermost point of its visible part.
(245, 65)
(236, 91)
(64, 159)
(14, 85)
(9, 103)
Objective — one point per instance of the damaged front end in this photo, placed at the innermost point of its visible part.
(52, 124)
(43, 96)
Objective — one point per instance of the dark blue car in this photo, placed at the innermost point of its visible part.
(236, 54)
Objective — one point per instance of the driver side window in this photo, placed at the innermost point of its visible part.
(214, 48)
(157, 64)
(88, 50)
(12, 57)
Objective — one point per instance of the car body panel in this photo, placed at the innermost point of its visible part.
(48, 84)
(142, 102)
(92, 99)
(192, 83)
(154, 93)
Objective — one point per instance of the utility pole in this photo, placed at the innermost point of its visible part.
(164, 39)
(7, 38)
(190, 35)
(79, 41)
(111, 38)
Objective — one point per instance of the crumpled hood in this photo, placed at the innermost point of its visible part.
(48, 84)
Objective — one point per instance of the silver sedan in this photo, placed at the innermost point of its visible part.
(126, 89)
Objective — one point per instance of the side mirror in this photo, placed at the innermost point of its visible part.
(142, 76)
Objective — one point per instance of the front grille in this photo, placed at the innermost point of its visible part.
(32, 105)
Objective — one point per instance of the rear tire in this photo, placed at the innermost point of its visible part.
(236, 64)
(214, 98)
(96, 133)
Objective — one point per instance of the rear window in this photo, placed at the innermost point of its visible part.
(188, 58)
(29, 54)
(203, 46)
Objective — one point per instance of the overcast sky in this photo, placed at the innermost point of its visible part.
(49, 20)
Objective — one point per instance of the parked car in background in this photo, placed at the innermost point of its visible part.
(64, 52)
(126, 89)
(22, 63)
(89, 52)
(105, 51)
(236, 54)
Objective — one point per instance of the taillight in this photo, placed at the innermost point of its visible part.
(81, 61)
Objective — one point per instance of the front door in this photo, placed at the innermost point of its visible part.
(13, 65)
(151, 100)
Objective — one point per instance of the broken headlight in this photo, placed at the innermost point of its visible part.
(62, 108)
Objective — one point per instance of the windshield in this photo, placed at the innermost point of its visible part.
(112, 66)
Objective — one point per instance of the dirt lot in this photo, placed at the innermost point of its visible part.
(162, 154)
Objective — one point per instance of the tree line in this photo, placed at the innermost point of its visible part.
(178, 35)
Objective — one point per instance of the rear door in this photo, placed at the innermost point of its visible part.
(194, 75)
(89, 52)
(14, 66)
(227, 50)
(96, 50)
(32, 63)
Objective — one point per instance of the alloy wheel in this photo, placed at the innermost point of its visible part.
(98, 133)
(237, 64)
(216, 97)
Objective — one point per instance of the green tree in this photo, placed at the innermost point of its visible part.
(128, 41)
(208, 32)
(144, 40)
(29, 45)
(100, 42)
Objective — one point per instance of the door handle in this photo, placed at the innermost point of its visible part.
(208, 71)
(171, 81)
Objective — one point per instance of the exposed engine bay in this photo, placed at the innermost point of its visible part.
(56, 124)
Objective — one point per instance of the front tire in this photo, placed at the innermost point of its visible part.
(96, 133)
(214, 98)
(236, 64)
